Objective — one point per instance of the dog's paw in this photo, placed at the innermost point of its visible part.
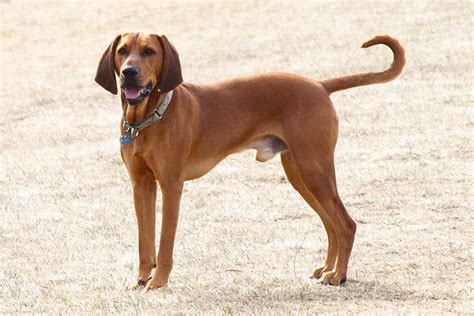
(155, 284)
(332, 278)
(140, 284)
(318, 272)
(136, 287)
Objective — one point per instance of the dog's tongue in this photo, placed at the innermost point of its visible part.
(132, 92)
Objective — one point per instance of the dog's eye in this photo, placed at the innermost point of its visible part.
(122, 51)
(149, 52)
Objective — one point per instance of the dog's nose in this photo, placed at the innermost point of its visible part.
(130, 71)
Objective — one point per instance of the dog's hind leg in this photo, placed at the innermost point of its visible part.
(319, 178)
(294, 178)
(312, 146)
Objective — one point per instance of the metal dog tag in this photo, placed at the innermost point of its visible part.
(126, 139)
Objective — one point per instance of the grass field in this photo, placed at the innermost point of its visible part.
(246, 241)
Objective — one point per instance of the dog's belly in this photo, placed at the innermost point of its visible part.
(197, 169)
(267, 147)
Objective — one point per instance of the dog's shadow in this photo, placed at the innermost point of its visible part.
(354, 290)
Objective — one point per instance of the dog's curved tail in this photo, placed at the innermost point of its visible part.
(351, 81)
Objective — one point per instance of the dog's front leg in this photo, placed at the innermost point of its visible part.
(144, 197)
(171, 192)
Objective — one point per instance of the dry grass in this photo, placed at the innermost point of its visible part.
(246, 241)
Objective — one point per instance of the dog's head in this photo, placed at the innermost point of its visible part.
(143, 62)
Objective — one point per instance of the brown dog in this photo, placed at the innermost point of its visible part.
(272, 113)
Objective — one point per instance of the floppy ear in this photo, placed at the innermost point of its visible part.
(105, 75)
(171, 72)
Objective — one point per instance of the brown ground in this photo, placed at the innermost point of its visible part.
(246, 241)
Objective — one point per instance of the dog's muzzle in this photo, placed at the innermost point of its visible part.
(134, 92)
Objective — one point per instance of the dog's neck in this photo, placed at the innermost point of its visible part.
(136, 113)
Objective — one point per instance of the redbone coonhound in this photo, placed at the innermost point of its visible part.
(174, 131)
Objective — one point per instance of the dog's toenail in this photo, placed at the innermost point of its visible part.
(343, 280)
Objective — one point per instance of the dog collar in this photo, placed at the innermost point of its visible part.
(133, 130)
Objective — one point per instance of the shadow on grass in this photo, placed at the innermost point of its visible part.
(356, 290)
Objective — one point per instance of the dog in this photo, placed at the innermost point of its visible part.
(174, 131)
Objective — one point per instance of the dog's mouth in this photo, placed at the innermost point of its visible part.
(135, 93)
